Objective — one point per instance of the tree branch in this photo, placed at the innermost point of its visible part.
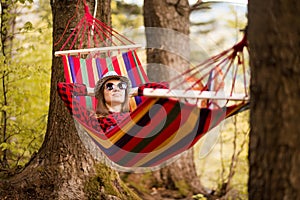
(195, 6)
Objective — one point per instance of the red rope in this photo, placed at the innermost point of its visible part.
(68, 23)
(231, 59)
(91, 32)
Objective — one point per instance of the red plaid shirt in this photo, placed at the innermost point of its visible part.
(68, 93)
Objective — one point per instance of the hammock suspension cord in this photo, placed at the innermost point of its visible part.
(91, 32)
(232, 59)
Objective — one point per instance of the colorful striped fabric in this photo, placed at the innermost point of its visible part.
(157, 131)
(89, 71)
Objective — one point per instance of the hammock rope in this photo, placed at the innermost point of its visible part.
(103, 35)
(230, 60)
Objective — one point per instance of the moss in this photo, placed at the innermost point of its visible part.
(40, 168)
(199, 197)
(106, 182)
(182, 187)
(141, 183)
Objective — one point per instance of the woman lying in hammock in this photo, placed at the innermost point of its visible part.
(112, 94)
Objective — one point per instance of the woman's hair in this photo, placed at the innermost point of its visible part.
(101, 108)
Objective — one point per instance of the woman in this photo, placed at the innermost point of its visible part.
(112, 94)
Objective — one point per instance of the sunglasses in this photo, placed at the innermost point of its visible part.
(111, 86)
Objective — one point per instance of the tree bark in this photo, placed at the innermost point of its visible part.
(274, 152)
(167, 35)
(167, 29)
(63, 168)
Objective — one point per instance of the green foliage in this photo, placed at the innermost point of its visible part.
(225, 168)
(24, 1)
(126, 16)
(28, 26)
(199, 197)
(25, 80)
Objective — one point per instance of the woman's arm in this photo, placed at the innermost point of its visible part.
(68, 93)
(71, 89)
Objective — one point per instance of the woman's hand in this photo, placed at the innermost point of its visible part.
(90, 91)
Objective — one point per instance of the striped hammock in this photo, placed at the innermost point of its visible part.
(158, 129)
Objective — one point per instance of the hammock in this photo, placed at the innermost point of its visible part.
(159, 128)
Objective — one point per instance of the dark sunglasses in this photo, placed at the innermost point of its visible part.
(111, 86)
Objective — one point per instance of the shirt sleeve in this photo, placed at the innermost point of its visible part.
(68, 93)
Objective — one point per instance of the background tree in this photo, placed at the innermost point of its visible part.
(274, 39)
(167, 29)
(63, 168)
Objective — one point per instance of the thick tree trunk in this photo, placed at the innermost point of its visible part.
(273, 33)
(167, 29)
(167, 34)
(63, 168)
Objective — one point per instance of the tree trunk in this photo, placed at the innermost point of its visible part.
(274, 153)
(167, 28)
(167, 34)
(63, 168)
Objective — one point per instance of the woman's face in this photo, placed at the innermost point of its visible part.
(114, 92)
